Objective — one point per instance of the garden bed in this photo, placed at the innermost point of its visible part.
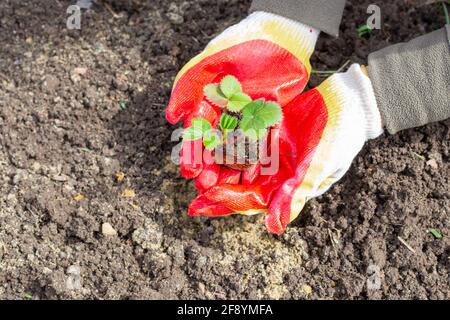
(92, 207)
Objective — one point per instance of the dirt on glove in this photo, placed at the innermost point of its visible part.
(91, 205)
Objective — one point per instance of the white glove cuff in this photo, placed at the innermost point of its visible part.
(355, 88)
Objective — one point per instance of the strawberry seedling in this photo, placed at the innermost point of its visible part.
(243, 120)
(364, 30)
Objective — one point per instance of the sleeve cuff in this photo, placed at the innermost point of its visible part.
(411, 81)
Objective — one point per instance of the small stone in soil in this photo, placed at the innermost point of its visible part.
(108, 230)
(433, 164)
(307, 289)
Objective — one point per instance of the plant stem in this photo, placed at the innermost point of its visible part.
(324, 72)
(447, 16)
(342, 68)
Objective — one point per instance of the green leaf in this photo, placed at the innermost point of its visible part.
(201, 123)
(230, 86)
(191, 134)
(196, 130)
(419, 156)
(228, 122)
(215, 95)
(238, 101)
(28, 296)
(436, 234)
(261, 115)
(271, 113)
(211, 139)
(363, 30)
(252, 118)
(123, 105)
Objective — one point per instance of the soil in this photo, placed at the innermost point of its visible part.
(80, 106)
(239, 152)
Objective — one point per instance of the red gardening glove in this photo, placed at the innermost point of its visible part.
(269, 55)
(321, 133)
(305, 118)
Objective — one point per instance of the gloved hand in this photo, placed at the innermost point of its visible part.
(322, 132)
(269, 55)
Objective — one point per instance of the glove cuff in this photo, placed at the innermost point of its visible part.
(354, 92)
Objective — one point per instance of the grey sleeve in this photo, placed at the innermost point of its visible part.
(412, 81)
(325, 15)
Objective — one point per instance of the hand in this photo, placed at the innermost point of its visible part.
(269, 55)
(322, 132)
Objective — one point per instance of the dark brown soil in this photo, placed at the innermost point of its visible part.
(78, 107)
(239, 152)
